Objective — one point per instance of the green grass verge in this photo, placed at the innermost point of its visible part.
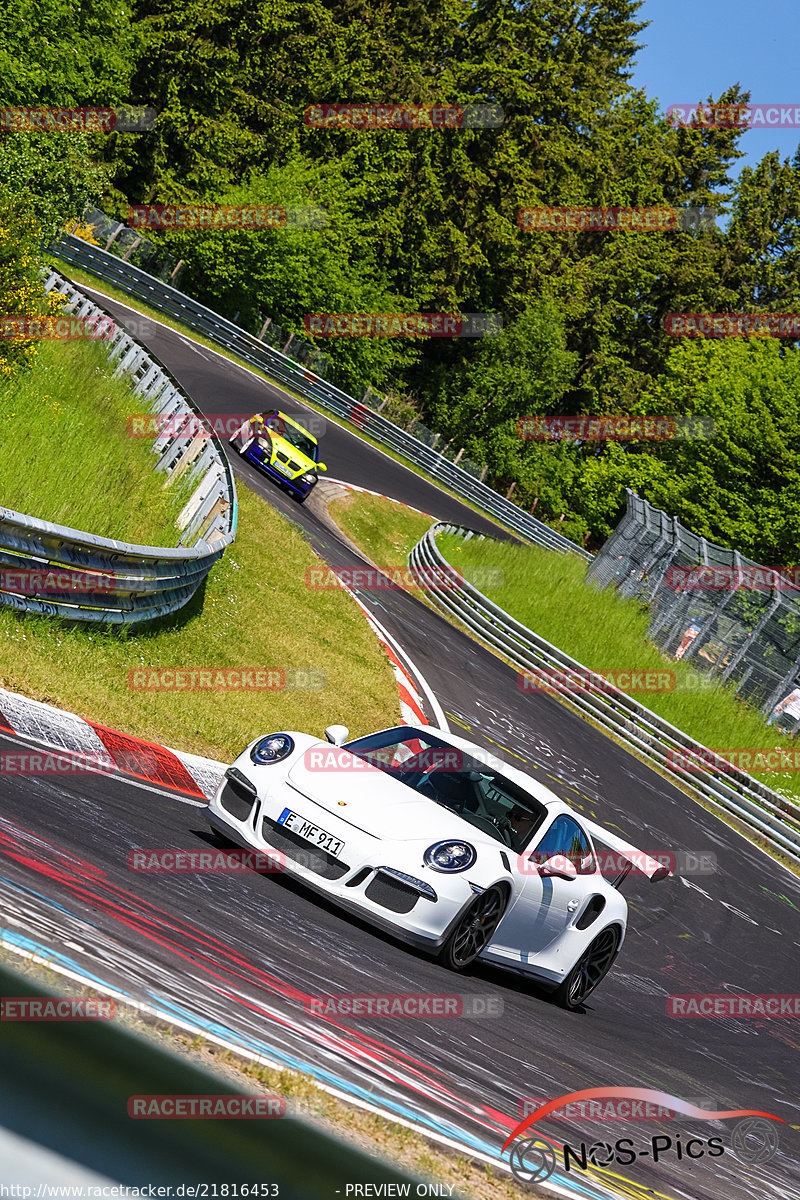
(383, 530)
(69, 458)
(257, 613)
(548, 593)
(79, 276)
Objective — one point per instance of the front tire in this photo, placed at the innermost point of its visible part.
(474, 930)
(589, 971)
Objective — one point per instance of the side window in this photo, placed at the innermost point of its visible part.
(566, 837)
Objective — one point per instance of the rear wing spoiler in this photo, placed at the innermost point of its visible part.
(643, 863)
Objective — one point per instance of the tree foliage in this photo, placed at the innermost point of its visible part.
(427, 220)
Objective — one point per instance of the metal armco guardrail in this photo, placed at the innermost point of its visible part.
(136, 282)
(772, 817)
(52, 570)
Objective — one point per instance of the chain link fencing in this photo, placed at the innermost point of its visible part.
(732, 617)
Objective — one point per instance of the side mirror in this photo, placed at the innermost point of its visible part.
(321, 467)
(337, 734)
(560, 866)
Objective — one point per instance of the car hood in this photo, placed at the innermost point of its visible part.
(292, 453)
(371, 800)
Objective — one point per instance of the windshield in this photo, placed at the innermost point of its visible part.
(301, 442)
(295, 437)
(455, 780)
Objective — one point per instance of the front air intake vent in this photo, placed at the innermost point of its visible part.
(391, 893)
(238, 795)
(302, 852)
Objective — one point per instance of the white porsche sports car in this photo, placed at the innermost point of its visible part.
(429, 837)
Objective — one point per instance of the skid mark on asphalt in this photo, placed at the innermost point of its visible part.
(515, 736)
(232, 977)
(184, 1017)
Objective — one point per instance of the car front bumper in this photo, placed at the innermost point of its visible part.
(367, 884)
(294, 485)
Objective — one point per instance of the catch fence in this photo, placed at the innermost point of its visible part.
(732, 617)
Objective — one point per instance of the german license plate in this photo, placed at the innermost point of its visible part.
(310, 832)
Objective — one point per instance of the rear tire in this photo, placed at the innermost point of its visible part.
(474, 930)
(589, 971)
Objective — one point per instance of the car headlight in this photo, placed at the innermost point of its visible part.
(272, 749)
(450, 856)
(309, 477)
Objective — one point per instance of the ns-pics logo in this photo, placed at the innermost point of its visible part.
(533, 1159)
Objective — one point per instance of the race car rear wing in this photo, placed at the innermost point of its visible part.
(634, 859)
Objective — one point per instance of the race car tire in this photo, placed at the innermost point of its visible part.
(589, 971)
(473, 930)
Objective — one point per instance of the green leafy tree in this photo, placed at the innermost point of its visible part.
(53, 175)
(298, 270)
(740, 486)
(521, 371)
(62, 52)
(763, 238)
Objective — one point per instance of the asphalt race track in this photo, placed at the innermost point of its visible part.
(237, 955)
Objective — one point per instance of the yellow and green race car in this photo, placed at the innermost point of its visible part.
(283, 450)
